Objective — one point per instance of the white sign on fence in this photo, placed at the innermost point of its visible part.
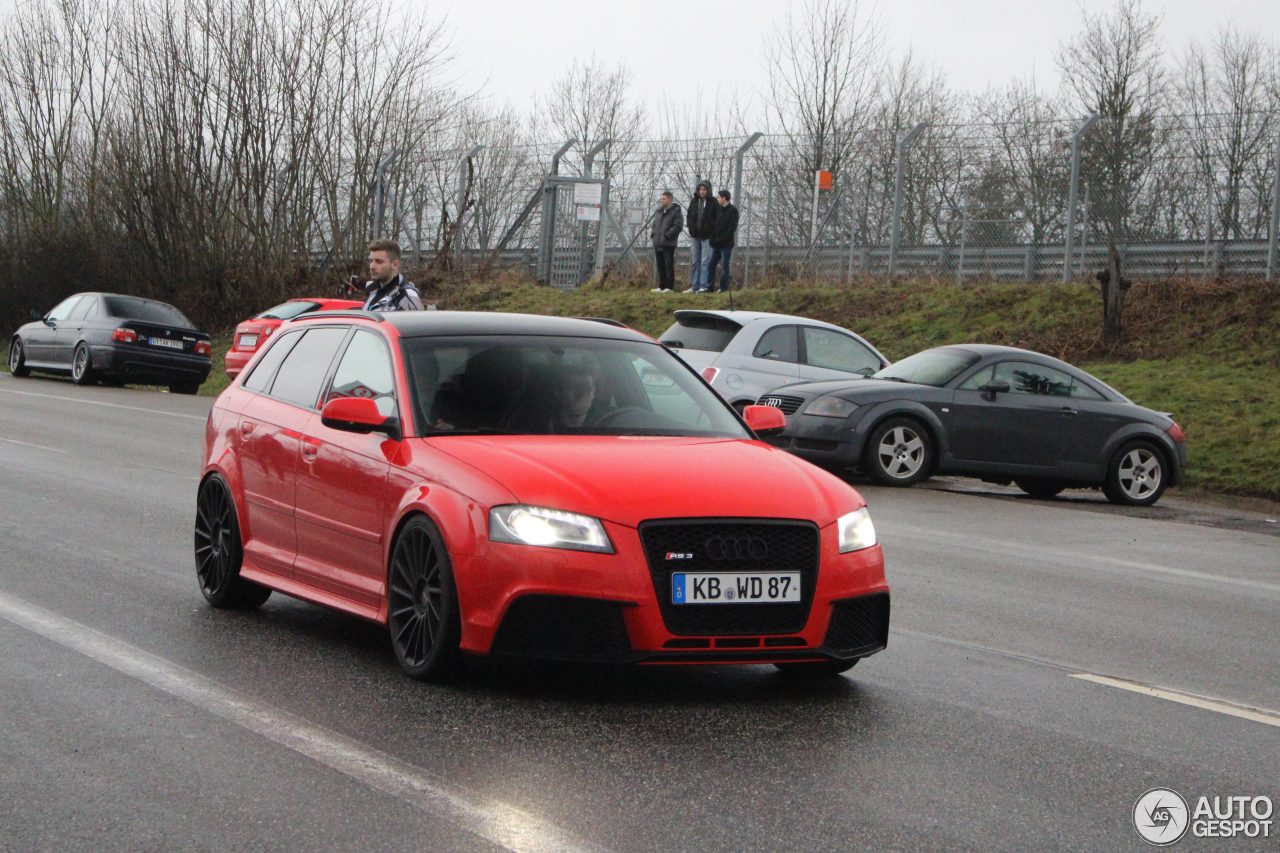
(587, 194)
(588, 213)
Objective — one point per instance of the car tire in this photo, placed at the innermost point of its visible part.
(184, 387)
(1137, 475)
(899, 452)
(422, 604)
(818, 669)
(82, 366)
(18, 358)
(219, 551)
(1041, 489)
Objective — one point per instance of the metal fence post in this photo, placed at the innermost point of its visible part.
(463, 165)
(380, 194)
(1275, 220)
(964, 235)
(588, 162)
(899, 178)
(1076, 141)
(737, 165)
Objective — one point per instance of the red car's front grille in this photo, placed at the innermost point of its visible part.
(769, 546)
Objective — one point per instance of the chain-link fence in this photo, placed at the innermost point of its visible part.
(1178, 196)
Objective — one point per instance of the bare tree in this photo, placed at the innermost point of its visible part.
(591, 102)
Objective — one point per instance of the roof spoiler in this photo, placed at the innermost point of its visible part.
(376, 316)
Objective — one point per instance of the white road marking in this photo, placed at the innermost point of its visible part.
(1113, 565)
(1244, 712)
(492, 820)
(108, 405)
(29, 444)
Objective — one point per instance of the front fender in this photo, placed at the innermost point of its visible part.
(879, 412)
(1148, 432)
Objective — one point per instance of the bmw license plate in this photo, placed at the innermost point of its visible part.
(735, 587)
(248, 341)
(165, 342)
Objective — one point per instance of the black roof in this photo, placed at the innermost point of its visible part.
(412, 324)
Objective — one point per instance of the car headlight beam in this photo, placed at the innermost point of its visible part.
(548, 528)
(856, 531)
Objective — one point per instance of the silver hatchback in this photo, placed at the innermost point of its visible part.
(743, 354)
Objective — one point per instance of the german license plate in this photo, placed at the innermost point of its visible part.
(735, 587)
(165, 342)
(248, 341)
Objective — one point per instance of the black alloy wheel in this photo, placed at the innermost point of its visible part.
(18, 359)
(81, 366)
(1041, 489)
(218, 551)
(422, 604)
(899, 452)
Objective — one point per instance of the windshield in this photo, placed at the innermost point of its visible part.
(558, 386)
(147, 311)
(934, 367)
(289, 310)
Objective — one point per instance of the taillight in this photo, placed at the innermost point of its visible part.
(125, 336)
(1175, 432)
(710, 374)
(203, 348)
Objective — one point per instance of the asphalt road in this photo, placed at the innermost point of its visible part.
(132, 716)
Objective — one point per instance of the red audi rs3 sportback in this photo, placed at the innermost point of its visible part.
(507, 484)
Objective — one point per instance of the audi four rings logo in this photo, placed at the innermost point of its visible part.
(736, 548)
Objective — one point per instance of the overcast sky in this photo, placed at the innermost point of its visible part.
(514, 49)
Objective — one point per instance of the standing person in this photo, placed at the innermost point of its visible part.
(722, 241)
(665, 235)
(701, 221)
(388, 290)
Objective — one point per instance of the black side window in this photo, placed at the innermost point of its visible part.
(300, 376)
(1027, 378)
(265, 369)
(780, 343)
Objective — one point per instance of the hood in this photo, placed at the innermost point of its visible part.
(710, 193)
(850, 389)
(628, 479)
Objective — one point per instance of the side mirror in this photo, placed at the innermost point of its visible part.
(359, 415)
(764, 420)
(991, 389)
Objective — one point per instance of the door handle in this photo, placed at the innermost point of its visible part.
(1067, 410)
(246, 427)
(309, 450)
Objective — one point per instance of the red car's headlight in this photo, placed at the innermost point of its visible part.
(548, 528)
(856, 531)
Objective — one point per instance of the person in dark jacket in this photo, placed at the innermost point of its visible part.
(665, 235)
(701, 220)
(388, 290)
(722, 235)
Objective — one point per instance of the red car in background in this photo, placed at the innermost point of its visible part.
(547, 487)
(254, 332)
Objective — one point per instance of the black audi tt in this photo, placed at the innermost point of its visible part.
(116, 339)
(999, 413)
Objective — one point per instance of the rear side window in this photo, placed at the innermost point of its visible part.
(711, 334)
(145, 310)
(299, 378)
(780, 343)
(260, 378)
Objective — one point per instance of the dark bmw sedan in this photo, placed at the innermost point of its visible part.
(998, 413)
(115, 339)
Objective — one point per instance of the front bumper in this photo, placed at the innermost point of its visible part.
(827, 442)
(544, 603)
(132, 363)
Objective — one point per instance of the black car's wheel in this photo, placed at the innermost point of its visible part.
(18, 359)
(184, 387)
(422, 603)
(899, 452)
(82, 366)
(218, 551)
(1042, 489)
(819, 669)
(1137, 475)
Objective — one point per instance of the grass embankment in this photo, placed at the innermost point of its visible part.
(1209, 353)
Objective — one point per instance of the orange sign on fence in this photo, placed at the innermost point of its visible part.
(824, 180)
